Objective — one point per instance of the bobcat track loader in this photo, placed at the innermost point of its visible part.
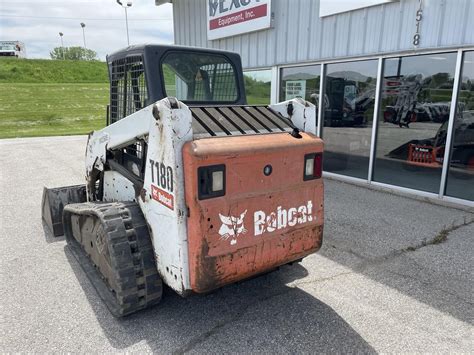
(187, 185)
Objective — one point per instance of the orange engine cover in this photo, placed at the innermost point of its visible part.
(262, 221)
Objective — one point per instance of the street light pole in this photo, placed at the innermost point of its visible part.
(62, 45)
(83, 25)
(126, 24)
(126, 5)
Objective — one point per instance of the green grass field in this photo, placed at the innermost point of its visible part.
(46, 98)
(28, 110)
(41, 71)
(55, 97)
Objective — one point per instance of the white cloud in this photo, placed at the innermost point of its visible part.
(38, 23)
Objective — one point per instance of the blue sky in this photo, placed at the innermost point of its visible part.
(38, 23)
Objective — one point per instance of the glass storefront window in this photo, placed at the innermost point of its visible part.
(415, 103)
(348, 115)
(300, 82)
(460, 181)
(258, 86)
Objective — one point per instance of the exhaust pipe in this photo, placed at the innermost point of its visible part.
(53, 202)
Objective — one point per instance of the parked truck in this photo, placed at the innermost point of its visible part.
(12, 49)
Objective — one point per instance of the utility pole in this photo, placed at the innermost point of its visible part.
(83, 25)
(126, 5)
(62, 45)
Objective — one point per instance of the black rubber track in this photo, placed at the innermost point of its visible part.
(112, 244)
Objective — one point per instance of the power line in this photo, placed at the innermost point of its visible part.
(84, 19)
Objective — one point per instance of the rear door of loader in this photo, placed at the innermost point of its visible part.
(255, 202)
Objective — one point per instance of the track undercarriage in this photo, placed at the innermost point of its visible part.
(112, 244)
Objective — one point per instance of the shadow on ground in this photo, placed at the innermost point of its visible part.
(261, 314)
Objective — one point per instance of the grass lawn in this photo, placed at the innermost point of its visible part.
(51, 97)
(13, 70)
(57, 97)
(33, 109)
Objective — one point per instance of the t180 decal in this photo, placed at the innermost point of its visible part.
(162, 184)
(162, 175)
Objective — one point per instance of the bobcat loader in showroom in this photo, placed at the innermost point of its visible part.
(188, 185)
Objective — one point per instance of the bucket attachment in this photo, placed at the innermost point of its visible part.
(53, 203)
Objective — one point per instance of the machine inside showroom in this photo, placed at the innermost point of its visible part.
(187, 185)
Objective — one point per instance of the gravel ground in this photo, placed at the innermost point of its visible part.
(377, 285)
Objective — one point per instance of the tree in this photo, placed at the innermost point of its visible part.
(73, 53)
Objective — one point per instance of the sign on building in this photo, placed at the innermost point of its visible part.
(227, 18)
(331, 7)
(295, 88)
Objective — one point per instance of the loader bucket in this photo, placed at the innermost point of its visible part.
(53, 203)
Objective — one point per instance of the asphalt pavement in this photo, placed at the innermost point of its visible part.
(379, 284)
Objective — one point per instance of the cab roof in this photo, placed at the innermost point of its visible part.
(160, 49)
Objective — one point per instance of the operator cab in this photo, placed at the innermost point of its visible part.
(144, 74)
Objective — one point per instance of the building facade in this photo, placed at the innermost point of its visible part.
(392, 80)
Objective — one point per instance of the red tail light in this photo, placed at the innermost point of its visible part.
(313, 166)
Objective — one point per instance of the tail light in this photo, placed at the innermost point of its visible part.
(313, 166)
(211, 181)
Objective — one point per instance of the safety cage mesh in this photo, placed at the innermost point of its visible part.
(133, 158)
(128, 90)
(221, 81)
(200, 77)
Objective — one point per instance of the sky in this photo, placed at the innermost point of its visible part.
(37, 23)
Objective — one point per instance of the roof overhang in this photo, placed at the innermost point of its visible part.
(161, 2)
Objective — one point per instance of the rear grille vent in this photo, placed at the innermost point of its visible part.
(236, 120)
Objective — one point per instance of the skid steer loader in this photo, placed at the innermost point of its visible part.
(187, 185)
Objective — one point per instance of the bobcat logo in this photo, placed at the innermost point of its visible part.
(232, 227)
